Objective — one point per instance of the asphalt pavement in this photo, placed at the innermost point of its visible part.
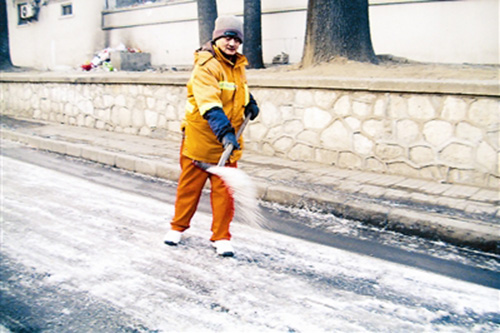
(459, 214)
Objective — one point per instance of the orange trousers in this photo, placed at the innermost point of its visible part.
(189, 189)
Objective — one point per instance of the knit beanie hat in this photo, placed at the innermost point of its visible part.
(228, 26)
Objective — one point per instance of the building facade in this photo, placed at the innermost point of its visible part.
(62, 34)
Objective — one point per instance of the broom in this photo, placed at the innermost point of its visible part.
(240, 185)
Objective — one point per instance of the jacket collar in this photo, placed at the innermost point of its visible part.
(209, 50)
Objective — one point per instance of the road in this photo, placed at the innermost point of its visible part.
(81, 250)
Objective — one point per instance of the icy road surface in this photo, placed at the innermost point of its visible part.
(93, 243)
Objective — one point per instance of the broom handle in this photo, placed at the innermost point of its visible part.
(229, 149)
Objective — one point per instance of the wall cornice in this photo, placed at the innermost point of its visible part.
(274, 80)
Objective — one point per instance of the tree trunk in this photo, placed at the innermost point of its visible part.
(5, 62)
(207, 14)
(337, 28)
(252, 26)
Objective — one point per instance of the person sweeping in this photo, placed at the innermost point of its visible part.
(218, 100)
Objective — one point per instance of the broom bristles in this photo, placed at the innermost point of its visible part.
(244, 194)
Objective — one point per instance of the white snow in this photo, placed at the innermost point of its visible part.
(108, 242)
(244, 194)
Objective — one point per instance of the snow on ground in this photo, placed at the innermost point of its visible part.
(108, 243)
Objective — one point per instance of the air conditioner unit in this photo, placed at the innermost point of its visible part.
(26, 11)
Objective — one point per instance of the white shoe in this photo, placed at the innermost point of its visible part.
(223, 248)
(173, 237)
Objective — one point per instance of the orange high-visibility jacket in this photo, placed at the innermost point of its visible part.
(215, 81)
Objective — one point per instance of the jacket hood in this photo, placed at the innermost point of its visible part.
(204, 53)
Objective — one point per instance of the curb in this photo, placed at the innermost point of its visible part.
(475, 234)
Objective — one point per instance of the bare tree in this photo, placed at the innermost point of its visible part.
(207, 14)
(337, 28)
(252, 26)
(5, 62)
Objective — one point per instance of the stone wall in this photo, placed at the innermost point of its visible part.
(447, 137)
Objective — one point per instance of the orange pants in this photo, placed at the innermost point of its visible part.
(189, 189)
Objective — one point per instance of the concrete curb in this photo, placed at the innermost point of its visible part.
(476, 234)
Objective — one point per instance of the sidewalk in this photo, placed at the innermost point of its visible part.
(462, 215)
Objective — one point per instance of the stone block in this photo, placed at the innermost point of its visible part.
(493, 181)
(106, 157)
(485, 113)
(407, 131)
(269, 114)
(362, 145)
(336, 136)
(120, 100)
(487, 157)
(361, 109)
(309, 137)
(420, 107)
(353, 123)
(343, 106)
(256, 132)
(170, 112)
(374, 165)
(324, 99)
(398, 107)
(304, 98)
(464, 176)
(437, 132)
(145, 131)
(174, 126)
(86, 106)
(457, 154)
(89, 153)
(301, 152)
(150, 102)
(283, 144)
(403, 168)
(125, 162)
(380, 107)
(468, 132)
(74, 150)
(124, 117)
(127, 61)
(349, 160)
(436, 173)
(162, 121)
(315, 118)
(293, 127)
(53, 146)
(326, 156)
(138, 119)
(375, 128)
(145, 167)
(454, 109)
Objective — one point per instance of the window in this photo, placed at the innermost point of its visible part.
(67, 9)
(23, 13)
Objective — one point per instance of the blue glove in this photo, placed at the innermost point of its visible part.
(219, 123)
(230, 138)
(252, 110)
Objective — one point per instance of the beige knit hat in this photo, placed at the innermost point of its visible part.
(228, 26)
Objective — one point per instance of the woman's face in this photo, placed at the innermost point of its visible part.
(228, 45)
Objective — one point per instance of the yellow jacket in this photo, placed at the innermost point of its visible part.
(215, 81)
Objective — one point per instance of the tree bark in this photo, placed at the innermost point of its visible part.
(207, 14)
(5, 62)
(337, 28)
(252, 26)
